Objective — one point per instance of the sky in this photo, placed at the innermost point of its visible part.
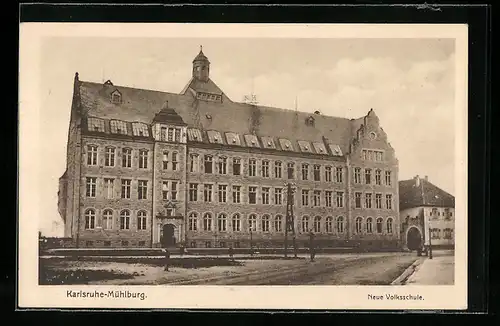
(408, 82)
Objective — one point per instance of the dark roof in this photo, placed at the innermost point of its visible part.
(168, 115)
(202, 86)
(200, 57)
(142, 105)
(423, 194)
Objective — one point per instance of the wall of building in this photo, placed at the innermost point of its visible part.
(411, 218)
(441, 222)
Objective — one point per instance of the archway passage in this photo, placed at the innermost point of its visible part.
(414, 239)
(168, 238)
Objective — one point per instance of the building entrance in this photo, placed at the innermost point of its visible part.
(414, 239)
(168, 237)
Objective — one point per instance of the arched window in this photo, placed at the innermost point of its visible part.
(389, 225)
(236, 223)
(125, 220)
(193, 221)
(89, 219)
(278, 223)
(265, 223)
(317, 224)
(329, 224)
(379, 225)
(340, 224)
(252, 223)
(369, 225)
(222, 222)
(359, 224)
(207, 222)
(107, 219)
(141, 220)
(305, 224)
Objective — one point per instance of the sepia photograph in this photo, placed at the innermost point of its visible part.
(204, 155)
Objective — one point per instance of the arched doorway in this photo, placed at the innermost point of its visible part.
(413, 238)
(168, 236)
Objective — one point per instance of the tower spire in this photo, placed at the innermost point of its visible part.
(201, 66)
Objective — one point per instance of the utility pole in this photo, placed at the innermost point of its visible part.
(289, 220)
(430, 243)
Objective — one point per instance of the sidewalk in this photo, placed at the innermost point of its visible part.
(437, 271)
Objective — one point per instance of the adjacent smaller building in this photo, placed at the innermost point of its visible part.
(426, 213)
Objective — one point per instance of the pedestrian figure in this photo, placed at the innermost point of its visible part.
(231, 251)
(167, 259)
(419, 251)
(182, 250)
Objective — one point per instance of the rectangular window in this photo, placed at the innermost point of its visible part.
(278, 196)
(207, 193)
(222, 193)
(142, 189)
(265, 195)
(91, 155)
(109, 159)
(194, 163)
(378, 201)
(193, 192)
(126, 188)
(388, 180)
(91, 187)
(165, 161)
(316, 172)
(305, 197)
(126, 158)
(170, 134)
(208, 164)
(163, 134)
(174, 161)
(305, 171)
(388, 201)
(236, 194)
(236, 166)
(164, 190)
(278, 170)
(265, 169)
(368, 176)
(317, 198)
(328, 173)
(339, 174)
(109, 188)
(290, 170)
(378, 177)
(357, 200)
(222, 165)
(252, 195)
(368, 200)
(364, 154)
(174, 190)
(357, 175)
(328, 198)
(340, 199)
(252, 167)
(143, 159)
(177, 135)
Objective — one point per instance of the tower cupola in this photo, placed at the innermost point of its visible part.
(201, 66)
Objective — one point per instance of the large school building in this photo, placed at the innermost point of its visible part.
(150, 169)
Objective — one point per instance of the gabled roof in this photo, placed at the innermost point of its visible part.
(142, 105)
(422, 193)
(201, 86)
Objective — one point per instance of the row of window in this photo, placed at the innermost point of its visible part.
(277, 224)
(446, 213)
(372, 155)
(125, 190)
(436, 233)
(107, 221)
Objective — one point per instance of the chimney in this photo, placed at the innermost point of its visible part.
(426, 178)
(417, 180)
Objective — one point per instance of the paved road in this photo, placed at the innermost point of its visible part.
(437, 271)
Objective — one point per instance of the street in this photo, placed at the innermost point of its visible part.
(436, 271)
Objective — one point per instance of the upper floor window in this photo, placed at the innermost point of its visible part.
(357, 175)
(328, 173)
(90, 219)
(317, 224)
(222, 222)
(378, 201)
(339, 174)
(236, 222)
(236, 166)
(252, 195)
(265, 195)
(328, 198)
(143, 159)
(107, 219)
(193, 192)
(141, 220)
(388, 179)
(340, 224)
(359, 224)
(207, 222)
(265, 223)
(252, 167)
(236, 194)
(340, 199)
(194, 162)
(278, 223)
(379, 225)
(252, 222)
(127, 158)
(170, 134)
(91, 187)
(222, 193)
(368, 200)
(91, 155)
(142, 189)
(305, 171)
(329, 224)
(163, 133)
(193, 221)
(109, 159)
(207, 192)
(378, 177)
(177, 135)
(316, 172)
(357, 200)
(265, 169)
(368, 176)
(126, 188)
(165, 160)
(278, 169)
(175, 161)
(305, 224)
(125, 220)
(305, 197)
(222, 165)
(290, 170)
(317, 198)
(208, 164)
(278, 196)
(116, 97)
(369, 225)
(389, 225)
(388, 201)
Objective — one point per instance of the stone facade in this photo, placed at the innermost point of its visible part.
(345, 173)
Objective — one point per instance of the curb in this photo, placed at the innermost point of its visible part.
(407, 273)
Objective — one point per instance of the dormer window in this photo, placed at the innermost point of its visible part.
(116, 97)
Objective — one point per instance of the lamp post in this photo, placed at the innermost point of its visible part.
(430, 243)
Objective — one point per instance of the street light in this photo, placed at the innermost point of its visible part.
(289, 222)
(430, 243)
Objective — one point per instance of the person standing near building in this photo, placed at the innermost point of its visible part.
(231, 252)
(167, 259)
